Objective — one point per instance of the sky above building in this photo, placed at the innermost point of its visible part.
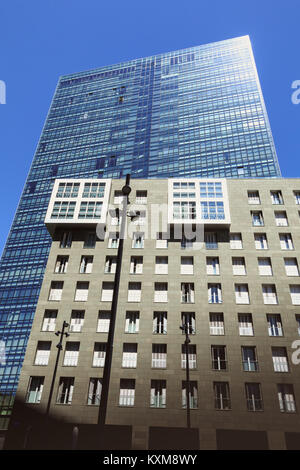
(43, 40)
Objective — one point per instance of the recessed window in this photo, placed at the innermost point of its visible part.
(160, 242)
(159, 356)
(110, 264)
(257, 218)
(71, 354)
(187, 292)
(218, 357)
(187, 265)
(211, 241)
(65, 390)
(107, 291)
(280, 359)
(193, 394)
(132, 321)
(291, 266)
(77, 321)
(160, 323)
(253, 197)
(222, 396)
(254, 397)
(103, 321)
(42, 354)
(61, 264)
(35, 389)
(161, 292)
(245, 324)
(129, 358)
(212, 265)
(269, 294)
(188, 318)
(66, 240)
(49, 320)
(82, 292)
(161, 265)
(297, 197)
(216, 324)
(281, 219)
(86, 264)
(99, 355)
(192, 356)
(239, 266)
(276, 197)
(138, 240)
(242, 294)
(113, 240)
(56, 290)
(214, 294)
(127, 392)
(261, 242)
(134, 291)
(63, 210)
(136, 265)
(295, 294)
(90, 240)
(94, 393)
(265, 267)
(274, 324)
(286, 398)
(236, 242)
(158, 393)
(249, 359)
(286, 241)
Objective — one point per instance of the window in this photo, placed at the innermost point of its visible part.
(71, 354)
(274, 324)
(249, 359)
(103, 321)
(187, 293)
(49, 320)
(218, 358)
(211, 241)
(90, 210)
(95, 190)
(56, 290)
(138, 240)
(269, 294)
(110, 264)
(67, 190)
(187, 265)
(184, 210)
(286, 241)
(159, 356)
(61, 265)
(136, 265)
(107, 291)
(216, 324)
(298, 323)
(212, 210)
(77, 320)
(238, 266)
(191, 354)
(90, 240)
(82, 292)
(132, 321)
(192, 393)
(113, 240)
(99, 354)
(129, 358)
(212, 266)
(236, 242)
(42, 354)
(286, 398)
(141, 197)
(214, 294)
(127, 392)
(115, 216)
(261, 242)
(160, 242)
(222, 396)
(161, 292)
(265, 267)
(63, 210)
(276, 197)
(253, 197)
(253, 397)
(66, 240)
(297, 197)
(241, 294)
(211, 190)
(118, 197)
(245, 324)
(86, 264)
(161, 265)
(134, 291)
(291, 266)
(281, 219)
(295, 294)
(189, 318)
(185, 243)
(35, 389)
(257, 218)
(94, 393)
(158, 394)
(280, 359)
(160, 323)
(65, 390)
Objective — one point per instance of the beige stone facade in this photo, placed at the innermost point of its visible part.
(271, 339)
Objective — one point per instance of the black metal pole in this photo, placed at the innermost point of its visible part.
(59, 347)
(186, 329)
(110, 339)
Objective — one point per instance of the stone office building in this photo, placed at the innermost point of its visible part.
(238, 288)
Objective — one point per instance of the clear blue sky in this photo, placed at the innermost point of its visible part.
(43, 39)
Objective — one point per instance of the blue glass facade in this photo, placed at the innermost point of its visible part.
(197, 112)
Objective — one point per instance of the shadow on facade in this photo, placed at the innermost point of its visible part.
(31, 430)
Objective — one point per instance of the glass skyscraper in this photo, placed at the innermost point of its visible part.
(197, 112)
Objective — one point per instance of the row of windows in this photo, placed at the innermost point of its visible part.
(186, 295)
(160, 322)
(186, 266)
(158, 394)
(210, 240)
(219, 361)
(276, 197)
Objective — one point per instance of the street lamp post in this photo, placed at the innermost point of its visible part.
(187, 329)
(59, 349)
(110, 339)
